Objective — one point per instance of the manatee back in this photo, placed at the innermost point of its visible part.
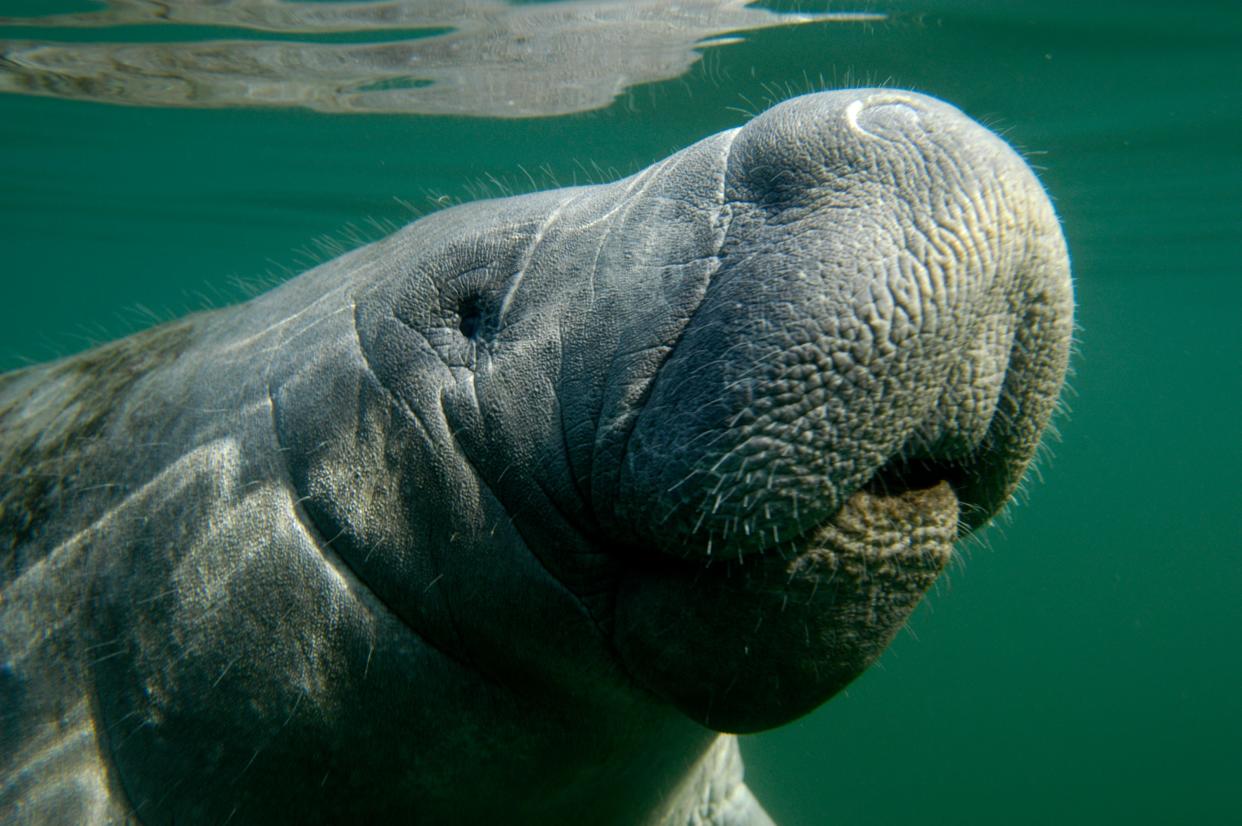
(61, 457)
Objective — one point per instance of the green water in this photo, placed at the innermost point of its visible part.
(1083, 665)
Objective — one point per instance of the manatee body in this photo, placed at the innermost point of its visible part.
(503, 518)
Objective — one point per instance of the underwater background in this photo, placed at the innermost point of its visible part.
(1082, 662)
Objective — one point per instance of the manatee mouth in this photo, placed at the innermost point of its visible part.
(753, 635)
(750, 639)
(754, 642)
(902, 475)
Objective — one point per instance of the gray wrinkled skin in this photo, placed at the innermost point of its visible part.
(502, 518)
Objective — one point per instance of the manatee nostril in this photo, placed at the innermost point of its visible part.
(470, 317)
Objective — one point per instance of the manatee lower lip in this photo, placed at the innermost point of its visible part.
(751, 644)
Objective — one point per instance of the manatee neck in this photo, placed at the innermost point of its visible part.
(295, 544)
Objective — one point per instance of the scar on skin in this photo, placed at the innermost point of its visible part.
(853, 109)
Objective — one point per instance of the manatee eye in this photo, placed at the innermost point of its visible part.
(470, 317)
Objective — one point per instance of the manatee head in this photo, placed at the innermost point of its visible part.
(741, 405)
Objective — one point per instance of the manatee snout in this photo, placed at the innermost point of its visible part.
(864, 381)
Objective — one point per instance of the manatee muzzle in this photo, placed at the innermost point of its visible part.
(865, 380)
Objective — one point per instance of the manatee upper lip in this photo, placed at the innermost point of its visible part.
(900, 475)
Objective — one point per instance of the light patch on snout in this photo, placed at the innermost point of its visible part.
(854, 109)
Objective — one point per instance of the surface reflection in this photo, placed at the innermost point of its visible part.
(483, 58)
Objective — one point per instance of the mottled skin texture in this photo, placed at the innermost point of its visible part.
(502, 518)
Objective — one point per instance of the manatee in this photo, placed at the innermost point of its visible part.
(521, 513)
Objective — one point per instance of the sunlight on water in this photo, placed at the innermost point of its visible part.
(483, 58)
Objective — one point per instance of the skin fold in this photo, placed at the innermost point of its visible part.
(507, 517)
